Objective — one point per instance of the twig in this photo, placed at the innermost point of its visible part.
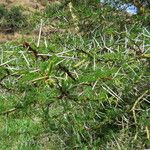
(63, 68)
(7, 62)
(40, 31)
(8, 111)
(137, 101)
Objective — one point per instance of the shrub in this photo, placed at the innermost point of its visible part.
(2, 11)
(14, 19)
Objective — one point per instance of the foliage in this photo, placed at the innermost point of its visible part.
(2, 11)
(85, 90)
(13, 20)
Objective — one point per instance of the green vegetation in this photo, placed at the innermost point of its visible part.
(13, 19)
(80, 89)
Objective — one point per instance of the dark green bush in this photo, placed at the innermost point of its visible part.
(2, 11)
(14, 19)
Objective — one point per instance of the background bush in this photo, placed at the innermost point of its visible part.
(13, 19)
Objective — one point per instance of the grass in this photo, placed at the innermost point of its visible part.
(77, 91)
